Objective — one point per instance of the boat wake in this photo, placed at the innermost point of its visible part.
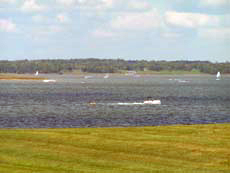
(49, 80)
(156, 102)
(127, 104)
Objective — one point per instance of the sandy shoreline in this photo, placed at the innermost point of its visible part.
(19, 77)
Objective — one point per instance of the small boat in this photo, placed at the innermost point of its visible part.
(36, 74)
(152, 102)
(49, 80)
(93, 103)
(106, 76)
(88, 77)
(218, 76)
(183, 81)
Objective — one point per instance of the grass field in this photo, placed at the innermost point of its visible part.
(194, 148)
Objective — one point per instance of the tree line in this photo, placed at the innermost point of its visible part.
(93, 65)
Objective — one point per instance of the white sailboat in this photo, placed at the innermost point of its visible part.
(36, 73)
(106, 76)
(218, 76)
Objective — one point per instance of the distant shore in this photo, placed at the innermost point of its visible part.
(43, 76)
(144, 73)
(147, 72)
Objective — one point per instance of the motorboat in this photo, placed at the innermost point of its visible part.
(88, 77)
(92, 103)
(152, 102)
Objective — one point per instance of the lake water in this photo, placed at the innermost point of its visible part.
(185, 100)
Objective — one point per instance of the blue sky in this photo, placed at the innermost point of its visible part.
(128, 29)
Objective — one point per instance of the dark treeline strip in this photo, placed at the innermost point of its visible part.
(109, 66)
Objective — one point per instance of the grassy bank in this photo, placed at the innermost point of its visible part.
(197, 148)
(19, 77)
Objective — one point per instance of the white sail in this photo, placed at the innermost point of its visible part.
(36, 73)
(218, 76)
(106, 76)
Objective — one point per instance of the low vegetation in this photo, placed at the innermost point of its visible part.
(194, 148)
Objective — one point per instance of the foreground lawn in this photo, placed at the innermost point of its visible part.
(195, 148)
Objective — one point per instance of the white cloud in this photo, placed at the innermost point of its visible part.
(214, 2)
(85, 4)
(96, 5)
(39, 18)
(63, 18)
(124, 5)
(100, 5)
(71, 3)
(32, 6)
(103, 34)
(215, 33)
(137, 4)
(7, 1)
(137, 21)
(67, 2)
(7, 25)
(108, 3)
(191, 20)
(171, 35)
(44, 32)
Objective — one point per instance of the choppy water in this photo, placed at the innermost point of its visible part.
(185, 100)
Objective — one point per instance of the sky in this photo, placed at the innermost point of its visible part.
(126, 29)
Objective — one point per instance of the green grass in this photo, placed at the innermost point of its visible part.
(195, 148)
